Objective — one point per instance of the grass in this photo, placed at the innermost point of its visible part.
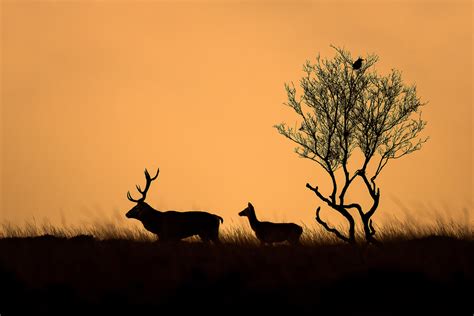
(238, 234)
(111, 267)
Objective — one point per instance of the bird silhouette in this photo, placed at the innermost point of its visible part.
(357, 64)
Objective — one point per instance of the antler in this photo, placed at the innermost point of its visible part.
(147, 186)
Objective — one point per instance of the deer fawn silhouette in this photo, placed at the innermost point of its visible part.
(268, 232)
(172, 225)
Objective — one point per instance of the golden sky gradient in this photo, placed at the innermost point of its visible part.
(92, 92)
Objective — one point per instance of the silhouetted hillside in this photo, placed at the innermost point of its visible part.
(82, 275)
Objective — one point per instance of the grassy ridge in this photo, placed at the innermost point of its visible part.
(238, 234)
(128, 272)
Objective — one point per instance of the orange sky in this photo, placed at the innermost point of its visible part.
(92, 92)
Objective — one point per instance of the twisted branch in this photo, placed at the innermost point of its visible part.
(326, 226)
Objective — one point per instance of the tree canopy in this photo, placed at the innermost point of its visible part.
(343, 109)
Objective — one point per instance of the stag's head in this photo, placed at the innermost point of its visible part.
(247, 211)
(141, 207)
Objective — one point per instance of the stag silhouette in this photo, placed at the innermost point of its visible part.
(268, 232)
(172, 225)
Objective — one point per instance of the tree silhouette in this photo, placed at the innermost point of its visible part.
(343, 111)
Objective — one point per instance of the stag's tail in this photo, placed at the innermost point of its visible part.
(220, 218)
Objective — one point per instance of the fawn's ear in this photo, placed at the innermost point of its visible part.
(250, 205)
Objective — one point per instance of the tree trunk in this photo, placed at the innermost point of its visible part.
(351, 227)
(369, 229)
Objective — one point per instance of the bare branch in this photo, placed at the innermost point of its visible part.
(329, 229)
(322, 197)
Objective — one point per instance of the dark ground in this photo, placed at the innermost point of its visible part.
(49, 275)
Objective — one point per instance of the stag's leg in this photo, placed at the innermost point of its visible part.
(294, 241)
(211, 233)
(205, 238)
(210, 236)
(215, 237)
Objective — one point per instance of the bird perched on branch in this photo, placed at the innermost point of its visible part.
(357, 64)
